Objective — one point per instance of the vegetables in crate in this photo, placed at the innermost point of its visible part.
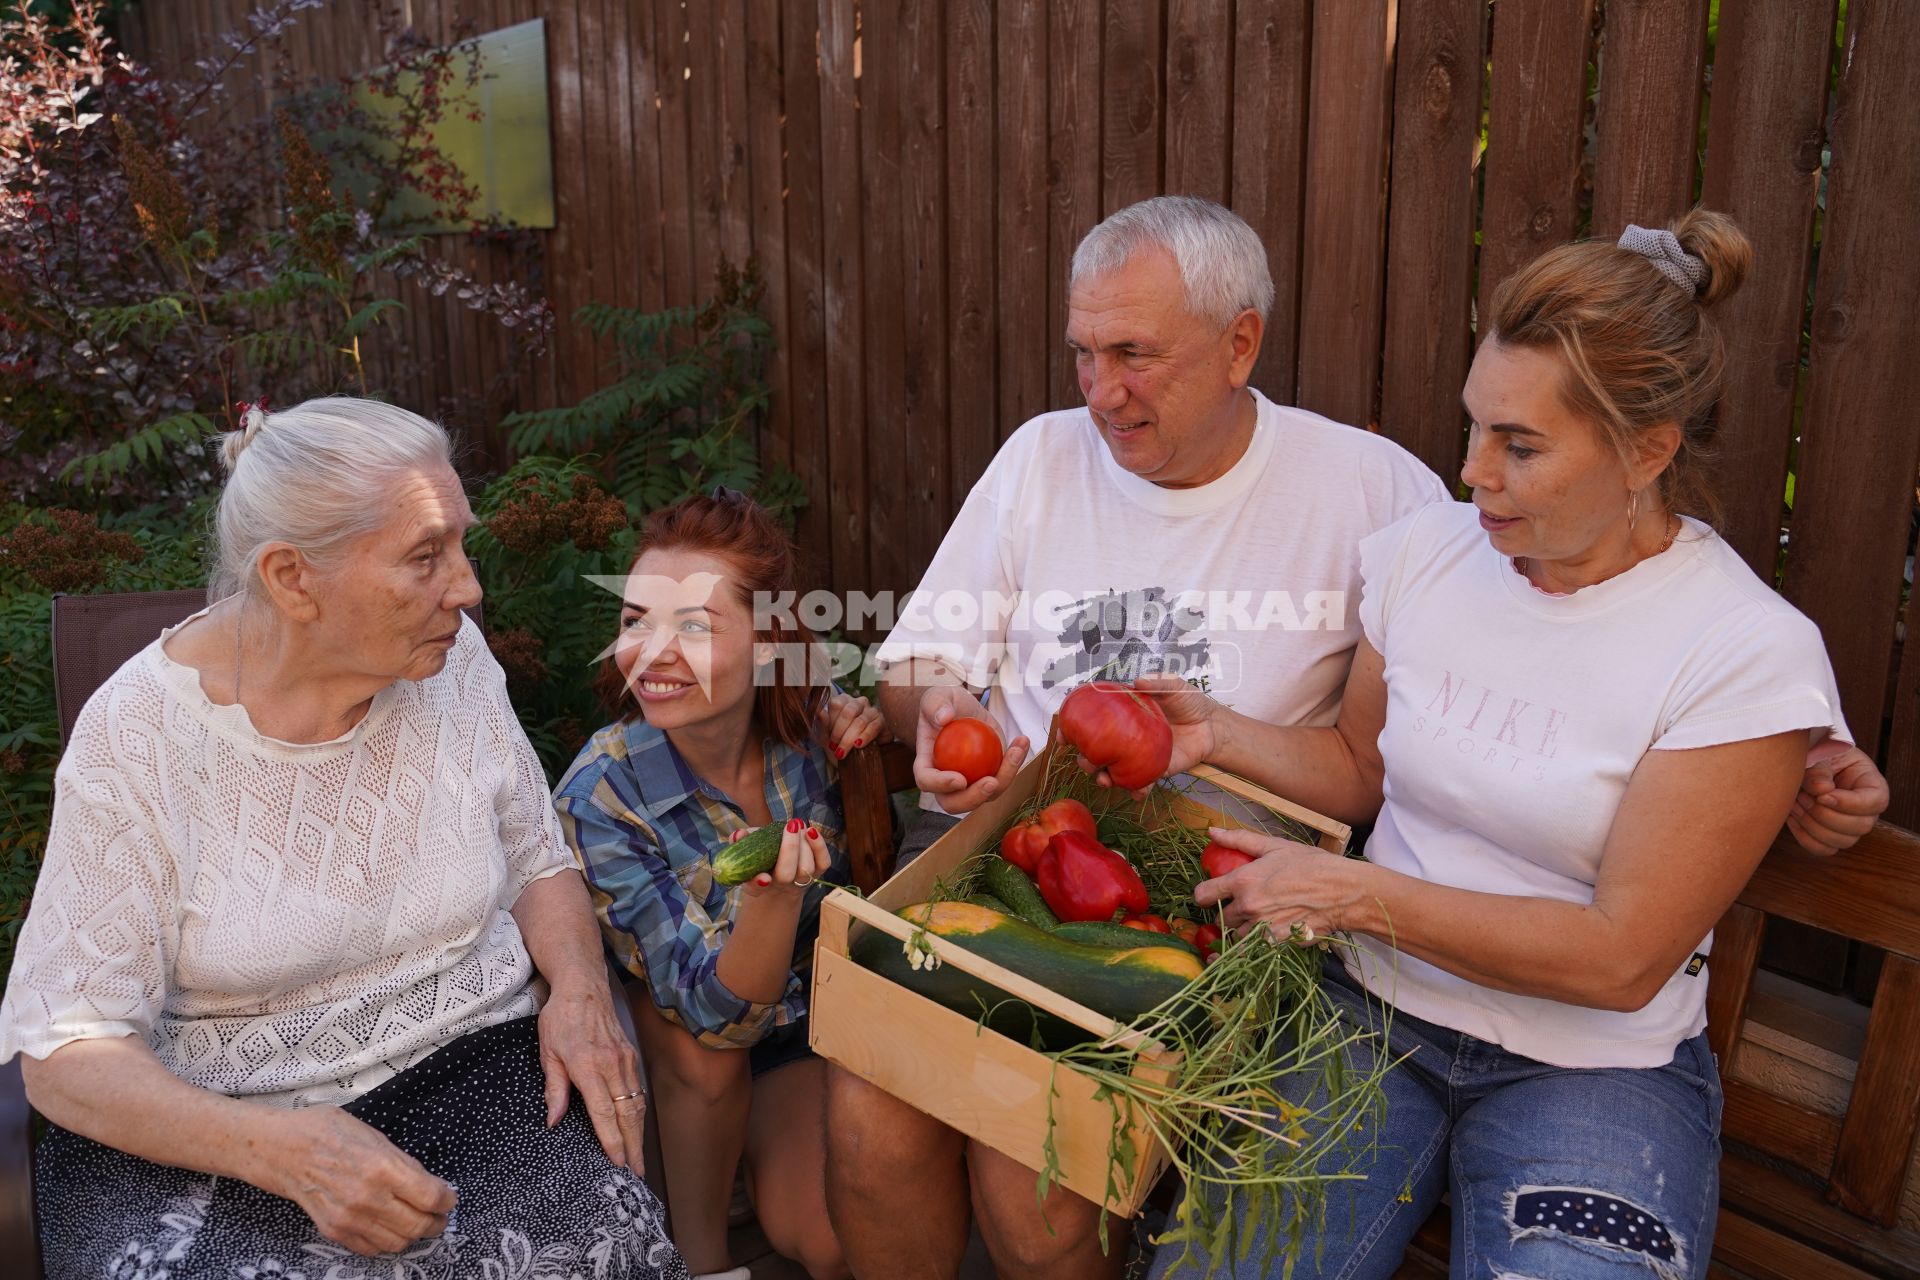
(1082, 879)
(1026, 842)
(1119, 730)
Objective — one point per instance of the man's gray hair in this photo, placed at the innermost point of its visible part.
(316, 476)
(1221, 260)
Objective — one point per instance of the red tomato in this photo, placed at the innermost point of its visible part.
(1118, 730)
(968, 746)
(1185, 930)
(1148, 923)
(1023, 844)
(1216, 860)
(1207, 938)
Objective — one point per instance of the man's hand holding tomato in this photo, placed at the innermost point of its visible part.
(1197, 721)
(955, 794)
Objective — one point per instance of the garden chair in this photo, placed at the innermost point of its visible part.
(92, 636)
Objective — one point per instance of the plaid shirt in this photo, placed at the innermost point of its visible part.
(644, 826)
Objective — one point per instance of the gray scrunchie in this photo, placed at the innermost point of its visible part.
(1663, 250)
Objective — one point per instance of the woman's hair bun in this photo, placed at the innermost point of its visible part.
(1725, 250)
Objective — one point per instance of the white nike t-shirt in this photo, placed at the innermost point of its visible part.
(1515, 719)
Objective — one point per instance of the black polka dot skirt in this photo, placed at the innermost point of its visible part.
(533, 1201)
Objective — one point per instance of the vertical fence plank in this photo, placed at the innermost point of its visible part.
(972, 213)
(1130, 68)
(1648, 113)
(1765, 132)
(1342, 278)
(1533, 134)
(595, 260)
(924, 138)
(1860, 444)
(1436, 140)
(806, 333)
(684, 284)
(707, 171)
(615, 181)
(883, 276)
(766, 172)
(1073, 166)
(1199, 74)
(643, 163)
(1026, 331)
(1272, 44)
(568, 252)
(731, 126)
(842, 240)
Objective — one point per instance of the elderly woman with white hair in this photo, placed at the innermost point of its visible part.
(276, 994)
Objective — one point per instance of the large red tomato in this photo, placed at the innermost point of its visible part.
(1024, 843)
(968, 746)
(1118, 730)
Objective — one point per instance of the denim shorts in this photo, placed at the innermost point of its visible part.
(1555, 1173)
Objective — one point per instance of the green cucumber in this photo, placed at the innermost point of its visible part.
(1122, 984)
(1012, 886)
(1104, 933)
(749, 856)
(991, 903)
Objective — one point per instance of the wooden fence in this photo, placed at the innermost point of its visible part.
(912, 178)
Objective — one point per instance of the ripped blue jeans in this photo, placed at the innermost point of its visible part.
(1556, 1173)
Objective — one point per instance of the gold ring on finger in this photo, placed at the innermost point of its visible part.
(627, 1097)
(798, 883)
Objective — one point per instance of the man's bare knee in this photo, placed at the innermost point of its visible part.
(872, 1136)
(1025, 1238)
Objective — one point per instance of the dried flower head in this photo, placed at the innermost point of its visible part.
(166, 215)
(63, 550)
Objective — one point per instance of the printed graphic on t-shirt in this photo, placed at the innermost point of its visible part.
(1500, 730)
(1123, 635)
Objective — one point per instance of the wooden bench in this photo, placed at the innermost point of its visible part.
(1804, 1195)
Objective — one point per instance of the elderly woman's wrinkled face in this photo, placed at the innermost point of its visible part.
(1548, 485)
(686, 646)
(394, 604)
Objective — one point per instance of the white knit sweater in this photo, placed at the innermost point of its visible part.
(289, 923)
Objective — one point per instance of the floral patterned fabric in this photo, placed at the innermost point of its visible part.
(535, 1203)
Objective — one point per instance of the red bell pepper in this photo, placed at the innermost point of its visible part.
(1208, 939)
(1216, 860)
(1083, 880)
(1026, 843)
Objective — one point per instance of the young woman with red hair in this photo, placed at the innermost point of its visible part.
(721, 728)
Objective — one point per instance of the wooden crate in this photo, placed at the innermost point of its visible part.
(989, 1087)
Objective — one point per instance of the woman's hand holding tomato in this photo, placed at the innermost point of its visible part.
(1287, 884)
(939, 707)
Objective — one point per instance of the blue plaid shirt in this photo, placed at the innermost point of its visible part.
(644, 827)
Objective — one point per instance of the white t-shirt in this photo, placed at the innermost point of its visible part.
(1061, 563)
(1516, 717)
(289, 923)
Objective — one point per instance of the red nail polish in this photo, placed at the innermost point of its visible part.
(793, 824)
(838, 753)
(859, 742)
(763, 880)
(813, 832)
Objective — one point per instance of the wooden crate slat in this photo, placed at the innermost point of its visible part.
(1199, 74)
(1342, 275)
(1765, 132)
(1436, 141)
(1271, 54)
(1537, 95)
(1876, 1142)
(1651, 57)
(1860, 443)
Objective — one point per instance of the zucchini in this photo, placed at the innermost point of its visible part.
(749, 856)
(991, 903)
(1121, 984)
(1012, 886)
(1104, 933)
